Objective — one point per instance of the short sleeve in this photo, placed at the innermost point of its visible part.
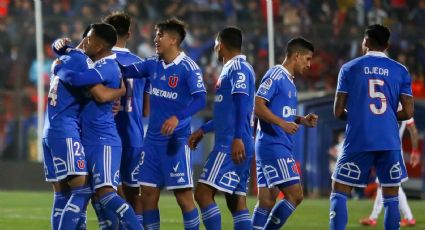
(195, 81)
(406, 85)
(239, 79)
(268, 87)
(147, 88)
(342, 85)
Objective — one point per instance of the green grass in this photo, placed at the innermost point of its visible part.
(31, 210)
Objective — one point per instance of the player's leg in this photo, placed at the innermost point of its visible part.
(211, 216)
(130, 188)
(177, 172)
(266, 200)
(150, 180)
(105, 180)
(391, 171)
(61, 190)
(240, 213)
(352, 169)
(405, 210)
(378, 204)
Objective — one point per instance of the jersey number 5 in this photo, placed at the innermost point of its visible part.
(378, 95)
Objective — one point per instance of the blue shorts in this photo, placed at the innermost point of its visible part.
(63, 157)
(104, 165)
(353, 169)
(223, 174)
(166, 164)
(276, 167)
(130, 165)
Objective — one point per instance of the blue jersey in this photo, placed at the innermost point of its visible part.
(64, 101)
(278, 89)
(129, 118)
(172, 86)
(374, 84)
(237, 76)
(97, 120)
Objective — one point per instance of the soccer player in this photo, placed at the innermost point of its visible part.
(64, 157)
(276, 108)
(99, 135)
(129, 118)
(408, 220)
(227, 166)
(367, 96)
(177, 93)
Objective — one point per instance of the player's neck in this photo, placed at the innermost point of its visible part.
(101, 55)
(229, 56)
(121, 43)
(170, 56)
(288, 66)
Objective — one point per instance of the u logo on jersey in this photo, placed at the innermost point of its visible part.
(80, 164)
(172, 81)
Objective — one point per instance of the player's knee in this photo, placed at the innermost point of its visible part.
(266, 203)
(295, 198)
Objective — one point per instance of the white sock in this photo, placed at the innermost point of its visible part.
(377, 204)
(403, 205)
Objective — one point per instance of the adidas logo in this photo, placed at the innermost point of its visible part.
(181, 180)
(163, 77)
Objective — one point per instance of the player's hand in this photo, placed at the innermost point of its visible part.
(415, 158)
(122, 88)
(61, 42)
(238, 151)
(290, 127)
(311, 120)
(116, 107)
(195, 138)
(169, 125)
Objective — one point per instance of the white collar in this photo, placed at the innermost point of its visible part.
(176, 60)
(112, 56)
(376, 53)
(288, 74)
(233, 58)
(115, 48)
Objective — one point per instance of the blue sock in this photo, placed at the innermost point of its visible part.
(392, 214)
(259, 218)
(140, 218)
(76, 205)
(82, 223)
(112, 202)
(151, 220)
(191, 220)
(211, 217)
(338, 216)
(106, 218)
(59, 202)
(242, 220)
(279, 214)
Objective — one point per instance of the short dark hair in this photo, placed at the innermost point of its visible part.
(231, 37)
(120, 21)
(86, 31)
(106, 32)
(173, 25)
(378, 35)
(298, 44)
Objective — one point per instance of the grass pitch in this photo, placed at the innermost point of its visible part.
(31, 210)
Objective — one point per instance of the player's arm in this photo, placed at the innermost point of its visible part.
(103, 94)
(407, 109)
(136, 70)
(88, 77)
(339, 105)
(415, 155)
(310, 120)
(197, 136)
(263, 112)
(60, 45)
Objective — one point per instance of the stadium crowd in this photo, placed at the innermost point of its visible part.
(334, 26)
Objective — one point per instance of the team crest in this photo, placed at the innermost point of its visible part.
(172, 81)
(80, 164)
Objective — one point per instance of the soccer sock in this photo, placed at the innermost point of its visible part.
(242, 220)
(392, 214)
(82, 223)
(191, 220)
(211, 217)
(338, 214)
(403, 205)
(377, 205)
(73, 209)
(279, 214)
(140, 218)
(259, 217)
(59, 202)
(151, 220)
(112, 202)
